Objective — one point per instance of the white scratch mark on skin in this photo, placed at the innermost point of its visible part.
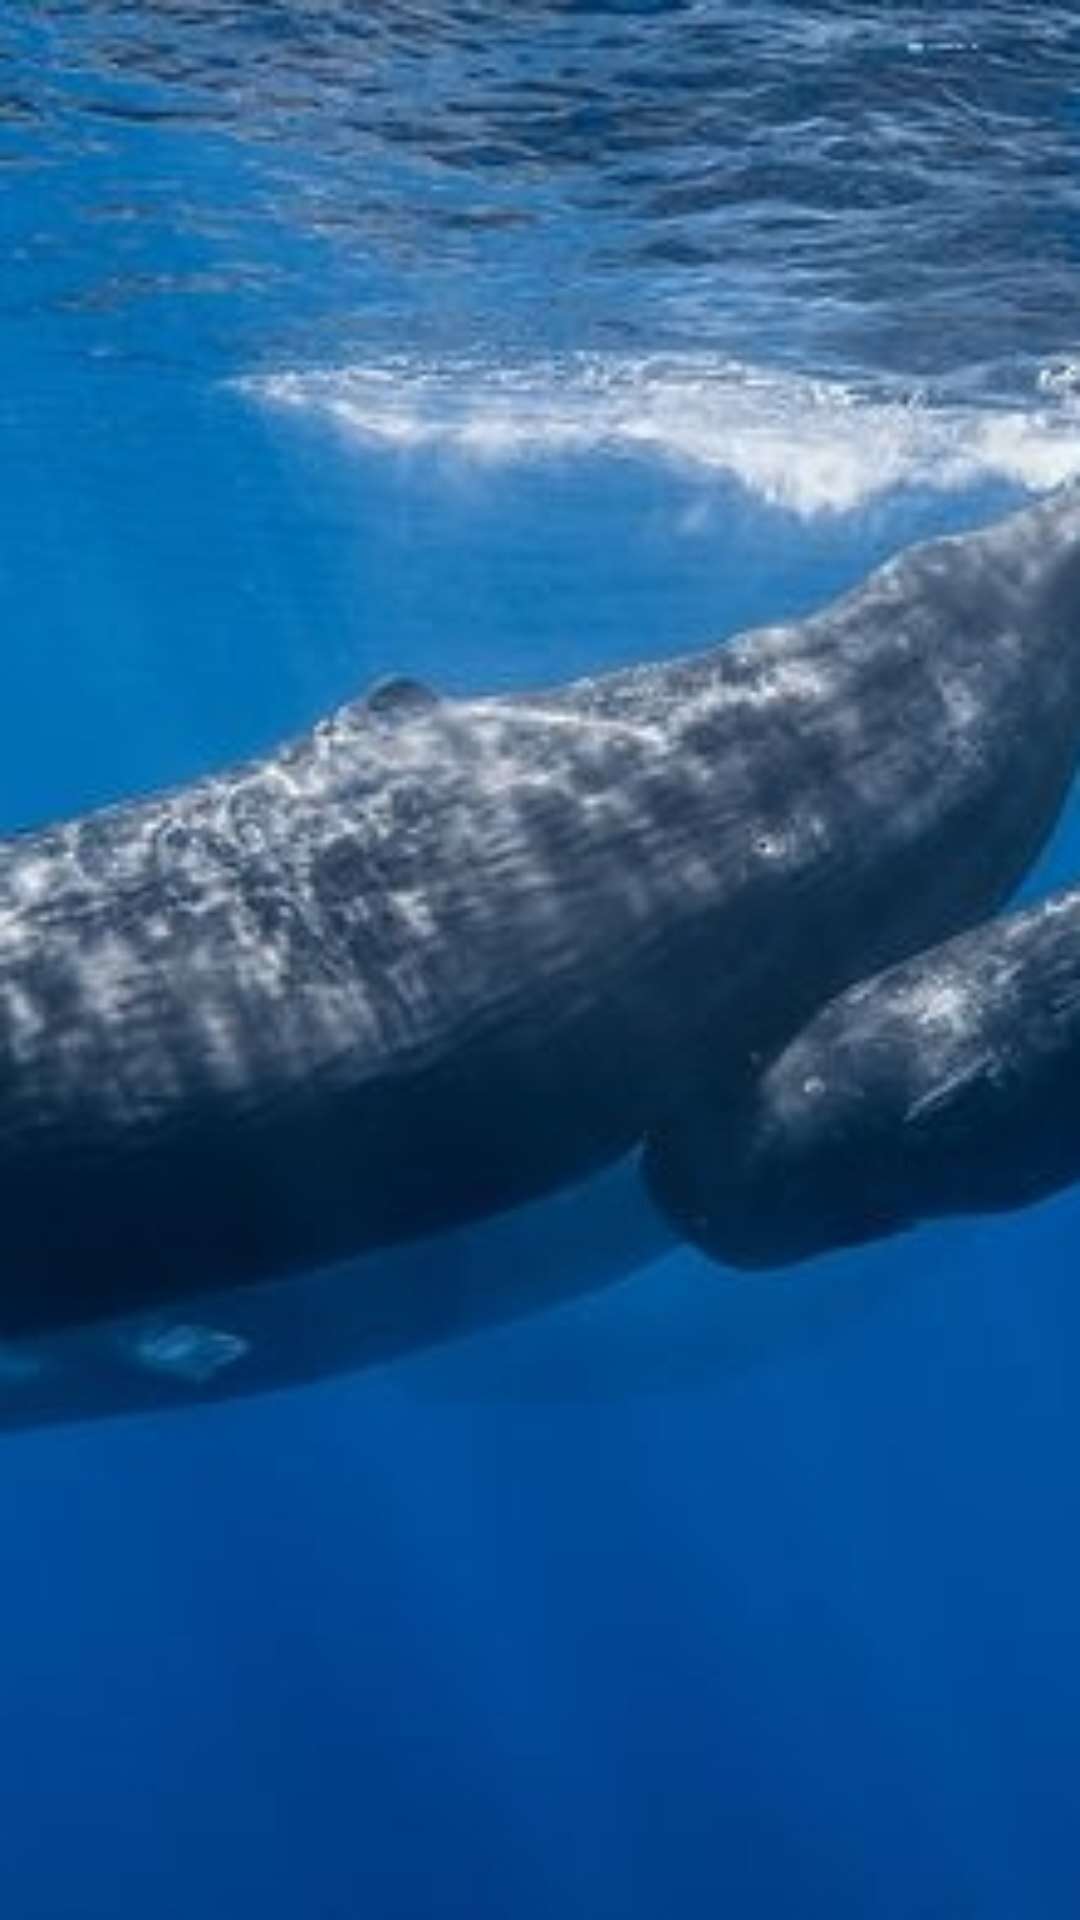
(942, 1095)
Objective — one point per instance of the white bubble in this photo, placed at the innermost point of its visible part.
(809, 446)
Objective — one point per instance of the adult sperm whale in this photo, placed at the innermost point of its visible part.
(437, 957)
(947, 1084)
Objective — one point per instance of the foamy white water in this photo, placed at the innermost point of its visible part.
(805, 445)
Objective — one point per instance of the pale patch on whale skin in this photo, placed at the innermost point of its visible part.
(189, 1353)
(941, 1005)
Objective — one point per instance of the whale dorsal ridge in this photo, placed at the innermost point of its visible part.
(398, 698)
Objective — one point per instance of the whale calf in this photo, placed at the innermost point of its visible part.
(947, 1084)
(441, 957)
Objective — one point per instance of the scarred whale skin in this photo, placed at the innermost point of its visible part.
(948, 1084)
(437, 957)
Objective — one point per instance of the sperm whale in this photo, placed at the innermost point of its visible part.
(947, 1084)
(439, 957)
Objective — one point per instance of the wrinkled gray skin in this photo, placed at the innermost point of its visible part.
(437, 958)
(948, 1084)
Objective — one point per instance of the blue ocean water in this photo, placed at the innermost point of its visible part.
(499, 344)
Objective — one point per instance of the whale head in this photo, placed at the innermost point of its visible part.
(807, 1161)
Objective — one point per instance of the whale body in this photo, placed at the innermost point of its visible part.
(948, 1084)
(438, 958)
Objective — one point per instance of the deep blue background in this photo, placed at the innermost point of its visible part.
(787, 1629)
(797, 1641)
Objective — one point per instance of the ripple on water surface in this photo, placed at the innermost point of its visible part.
(809, 179)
